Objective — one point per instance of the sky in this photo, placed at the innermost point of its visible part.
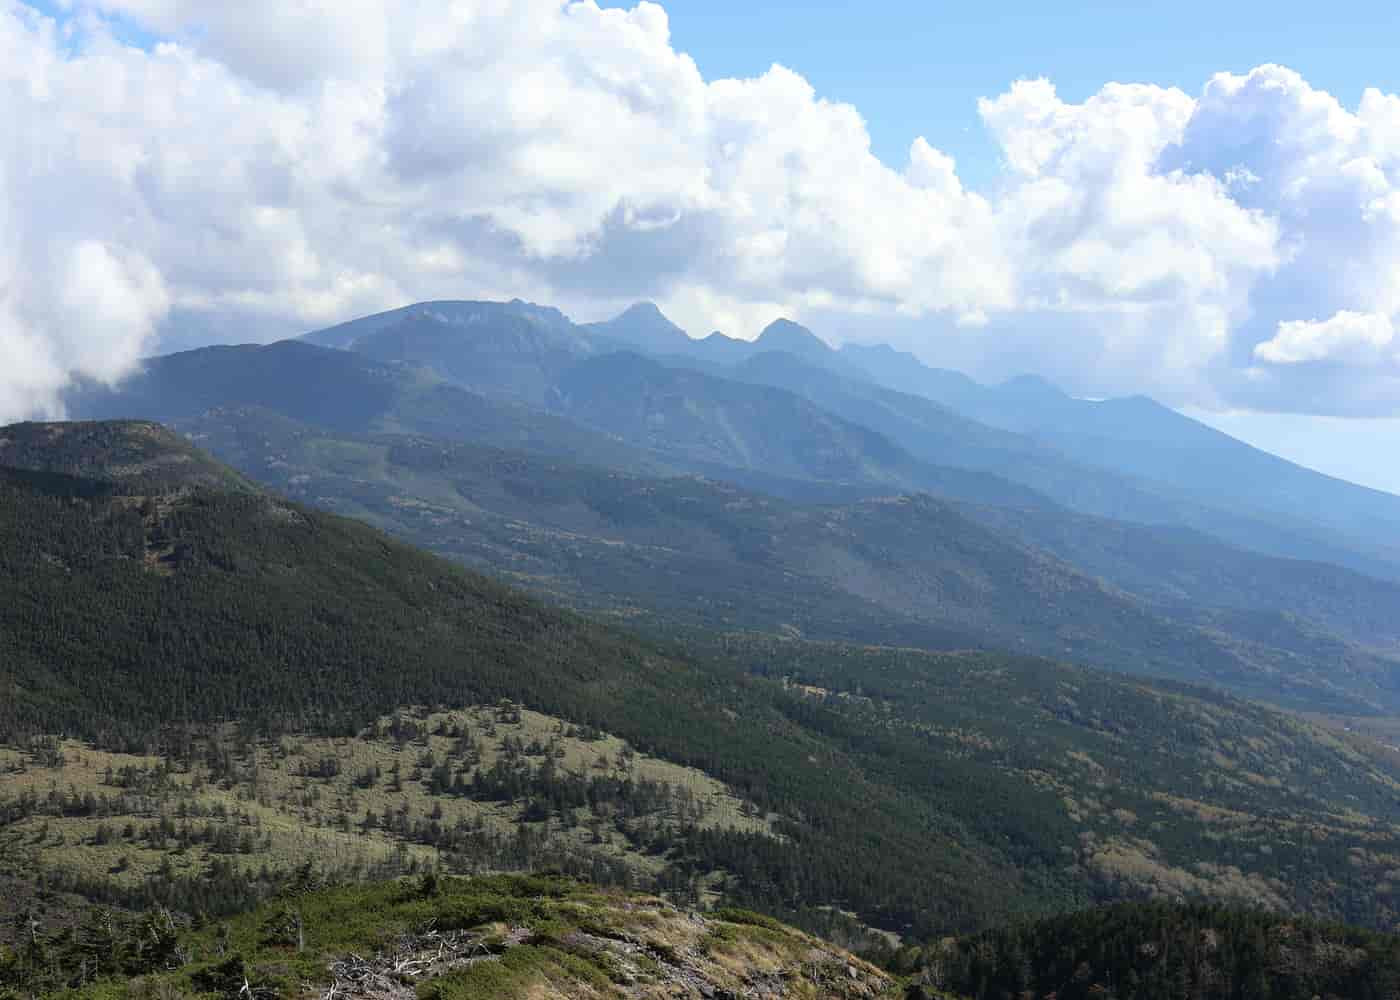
(918, 68)
(1203, 207)
(1356, 449)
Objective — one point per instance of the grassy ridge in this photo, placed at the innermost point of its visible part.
(449, 939)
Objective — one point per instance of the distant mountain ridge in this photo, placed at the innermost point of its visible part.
(511, 349)
(449, 312)
(1140, 437)
(1127, 459)
(727, 423)
(345, 392)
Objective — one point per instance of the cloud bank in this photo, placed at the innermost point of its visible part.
(275, 167)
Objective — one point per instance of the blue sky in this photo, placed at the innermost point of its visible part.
(917, 68)
(1360, 450)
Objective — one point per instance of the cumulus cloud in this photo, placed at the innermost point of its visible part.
(267, 167)
(1330, 178)
(77, 291)
(1346, 338)
(1144, 269)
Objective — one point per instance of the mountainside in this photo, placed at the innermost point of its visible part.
(514, 938)
(927, 429)
(137, 456)
(1079, 479)
(911, 553)
(348, 393)
(1147, 951)
(288, 620)
(1169, 792)
(1178, 570)
(343, 392)
(905, 570)
(640, 549)
(922, 793)
(514, 350)
(722, 424)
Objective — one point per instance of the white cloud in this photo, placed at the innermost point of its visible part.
(1347, 338)
(1142, 272)
(283, 45)
(270, 167)
(77, 289)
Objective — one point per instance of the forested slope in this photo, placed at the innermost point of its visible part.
(128, 619)
(1160, 952)
(901, 571)
(924, 793)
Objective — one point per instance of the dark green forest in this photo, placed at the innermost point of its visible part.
(1161, 952)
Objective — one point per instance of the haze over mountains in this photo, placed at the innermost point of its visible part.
(1130, 458)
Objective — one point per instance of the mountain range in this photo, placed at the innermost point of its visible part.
(1129, 459)
(782, 485)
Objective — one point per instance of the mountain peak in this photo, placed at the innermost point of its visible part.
(785, 335)
(643, 310)
(1032, 387)
(644, 325)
